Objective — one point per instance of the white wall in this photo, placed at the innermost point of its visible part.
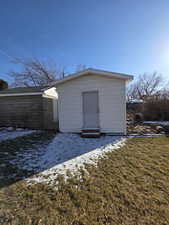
(51, 92)
(111, 103)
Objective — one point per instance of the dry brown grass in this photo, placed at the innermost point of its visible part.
(129, 187)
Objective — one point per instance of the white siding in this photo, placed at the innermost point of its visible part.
(112, 105)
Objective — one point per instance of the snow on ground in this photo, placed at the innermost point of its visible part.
(164, 123)
(146, 135)
(66, 152)
(6, 135)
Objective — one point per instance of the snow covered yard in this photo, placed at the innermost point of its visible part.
(6, 133)
(41, 157)
(13, 150)
(67, 152)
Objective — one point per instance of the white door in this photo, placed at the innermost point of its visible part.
(90, 109)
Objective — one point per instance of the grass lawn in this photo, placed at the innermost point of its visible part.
(130, 186)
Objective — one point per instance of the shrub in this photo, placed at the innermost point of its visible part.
(156, 109)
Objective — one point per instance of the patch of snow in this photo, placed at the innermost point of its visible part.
(9, 128)
(164, 123)
(19, 129)
(135, 101)
(6, 135)
(145, 135)
(2, 165)
(67, 152)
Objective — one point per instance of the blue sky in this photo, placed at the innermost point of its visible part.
(126, 36)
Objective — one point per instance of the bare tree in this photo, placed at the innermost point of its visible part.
(131, 92)
(3, 85)
(35, 73)
(145, 86)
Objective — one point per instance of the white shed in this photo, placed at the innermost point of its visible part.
(92, 100)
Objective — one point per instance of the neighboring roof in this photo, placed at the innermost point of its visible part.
(21, 91)
(94, 72)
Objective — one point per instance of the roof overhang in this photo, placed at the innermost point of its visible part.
(97, 72)
(20, 94)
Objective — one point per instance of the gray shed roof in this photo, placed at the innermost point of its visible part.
(23, 90)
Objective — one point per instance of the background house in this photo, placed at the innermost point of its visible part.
(30, 107)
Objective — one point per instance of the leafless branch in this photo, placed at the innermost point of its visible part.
(145, 86)
(35, 73)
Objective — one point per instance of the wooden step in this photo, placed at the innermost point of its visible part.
(90, 133)
(91, 130)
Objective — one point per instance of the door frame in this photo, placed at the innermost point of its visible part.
(83, 108)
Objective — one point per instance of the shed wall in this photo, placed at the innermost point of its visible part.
(112, 103)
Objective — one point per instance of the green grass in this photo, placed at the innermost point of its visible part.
(128, 187)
